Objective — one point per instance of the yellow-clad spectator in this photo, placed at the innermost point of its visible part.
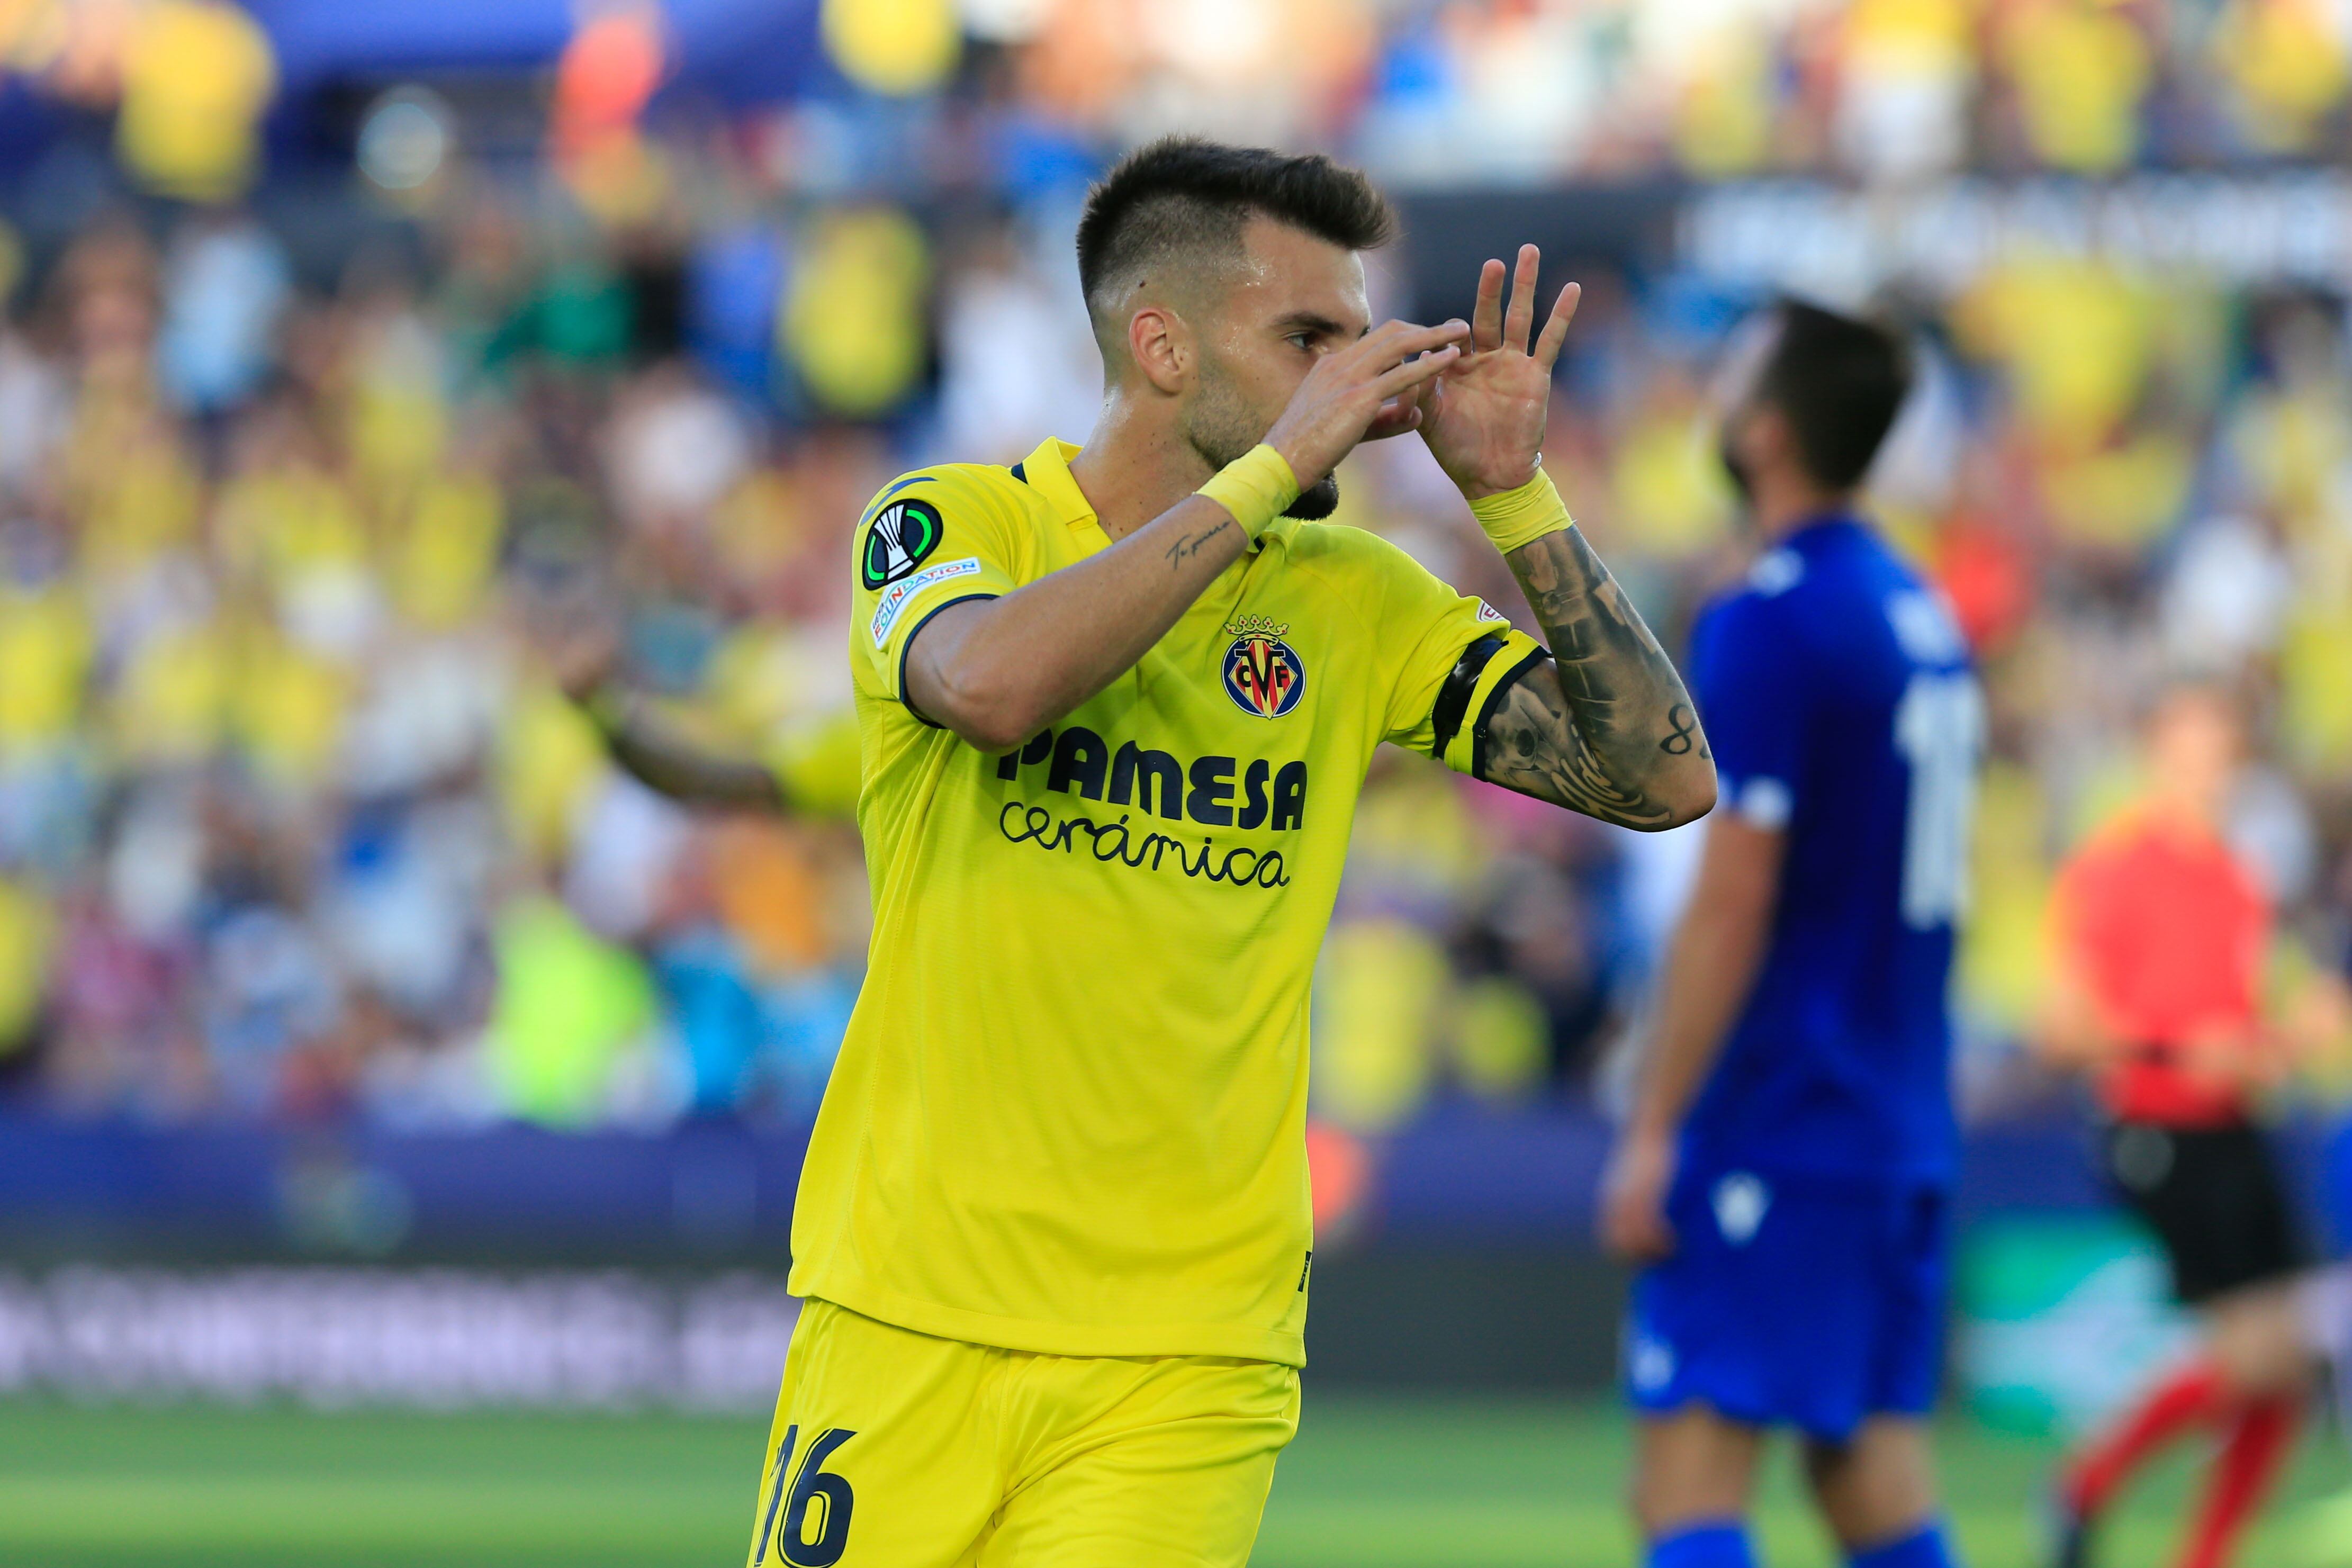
(1908, 67)
(2081, 71)
(1668, 478)
(444, 559)
(549, 756)
(853, 321)
(1379, 1001)
(568, 1003)
(2286, 60)
(172, 700)
(2003, 961)
(2078, 339)
(196, 75)
(28, 935)
(288, 707)
(47, 644)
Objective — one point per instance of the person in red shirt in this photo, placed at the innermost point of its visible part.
(2161, 935)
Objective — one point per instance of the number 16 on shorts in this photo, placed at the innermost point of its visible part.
(809, 1528)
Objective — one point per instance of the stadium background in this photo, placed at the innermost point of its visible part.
(368, 1045)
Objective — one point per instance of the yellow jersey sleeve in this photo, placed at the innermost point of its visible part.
(1434, 710)
(930, 539)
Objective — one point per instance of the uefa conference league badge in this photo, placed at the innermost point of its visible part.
(901, 538)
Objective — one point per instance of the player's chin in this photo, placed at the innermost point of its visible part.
(1316, 502)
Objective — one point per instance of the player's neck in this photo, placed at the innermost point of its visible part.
(1782, 504)
(1134, 468)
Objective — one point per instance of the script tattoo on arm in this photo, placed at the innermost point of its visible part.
(1605, 727)
(1192, 544)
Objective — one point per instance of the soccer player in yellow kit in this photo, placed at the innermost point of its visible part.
(1116, 702)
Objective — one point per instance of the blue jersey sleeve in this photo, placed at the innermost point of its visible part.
(1750, 680)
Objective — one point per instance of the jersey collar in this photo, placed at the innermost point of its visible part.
(1047, 469)
(1819, 526)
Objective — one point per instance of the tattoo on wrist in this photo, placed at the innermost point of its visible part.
(1192, 544)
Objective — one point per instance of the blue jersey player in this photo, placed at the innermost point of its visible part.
(1785, 1175)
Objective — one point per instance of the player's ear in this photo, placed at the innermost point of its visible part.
(1161, 344)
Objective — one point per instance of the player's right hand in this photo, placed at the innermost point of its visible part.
(1368, 384)
(1633, 1197)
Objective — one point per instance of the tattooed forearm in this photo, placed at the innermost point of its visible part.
(1606, 728)
(1192, 544)
(1682, 733)
(1532, 745)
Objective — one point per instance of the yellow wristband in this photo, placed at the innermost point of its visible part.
(1255, 487)
(1522, 516)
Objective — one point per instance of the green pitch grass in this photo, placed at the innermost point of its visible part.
(1371, 1482)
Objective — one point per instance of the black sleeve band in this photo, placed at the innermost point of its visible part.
(1494, 701)
(1453, 696)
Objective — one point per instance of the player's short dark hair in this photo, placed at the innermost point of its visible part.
(1839, 383)
(1181, 198)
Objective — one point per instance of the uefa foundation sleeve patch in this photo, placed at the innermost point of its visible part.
(899, 540)
(898, 596)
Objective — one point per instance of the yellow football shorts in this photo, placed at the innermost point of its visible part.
(894, 1449)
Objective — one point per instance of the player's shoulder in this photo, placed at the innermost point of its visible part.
(1832, 584)
(1767, 600)
(979, 504)
(1842, 558)
(992, 484)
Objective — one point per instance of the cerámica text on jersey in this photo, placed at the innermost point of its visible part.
(1240, 865)
(1207, 792)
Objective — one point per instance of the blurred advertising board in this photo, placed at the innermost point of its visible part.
(2061, 1317)
(433, 1338)
(1841, 242)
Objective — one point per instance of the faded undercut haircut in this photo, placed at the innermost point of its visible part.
(1181, 203)
(1839, 383)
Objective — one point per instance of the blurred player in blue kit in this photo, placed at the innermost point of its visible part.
(1785, 1174)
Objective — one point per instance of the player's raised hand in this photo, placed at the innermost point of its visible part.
(1363, 391)
(1484, 419)
(1633, 1197)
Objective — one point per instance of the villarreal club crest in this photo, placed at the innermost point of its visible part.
(1262, 674)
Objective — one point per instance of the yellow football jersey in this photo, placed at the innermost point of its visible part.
(1068, 1116)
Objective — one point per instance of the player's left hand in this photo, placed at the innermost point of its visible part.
(1634, 1221)
(1484, 419)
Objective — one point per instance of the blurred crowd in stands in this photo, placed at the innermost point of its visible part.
(1437, 92)
(1533, 89)
(294, 822)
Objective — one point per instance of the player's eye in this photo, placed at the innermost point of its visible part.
(1302, 341)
